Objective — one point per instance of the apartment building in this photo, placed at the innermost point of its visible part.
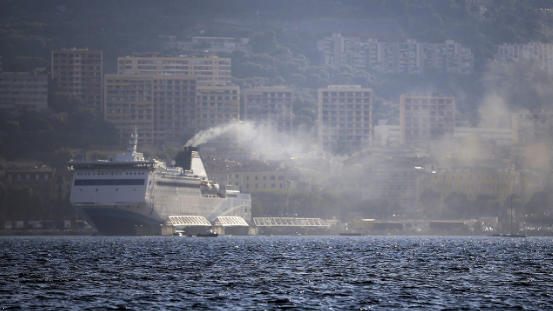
(426, 116)
(531, 128)
(79, 72)
(217, 105)
(209, 69)
(129, 104)
(270, 105)
(23, 90)
(175, 107)
(539, 52)
(396, 57)
(344, 118)
(160, 107)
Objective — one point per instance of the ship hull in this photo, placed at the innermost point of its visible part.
(109, 221)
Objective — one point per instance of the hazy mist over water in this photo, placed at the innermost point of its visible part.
(307, 273)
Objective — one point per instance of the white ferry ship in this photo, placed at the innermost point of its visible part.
(116, 196)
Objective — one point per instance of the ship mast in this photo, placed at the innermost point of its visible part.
(133, 142)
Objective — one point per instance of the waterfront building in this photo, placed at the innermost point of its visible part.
(495, 181)
(41, 180)
(344, 118)
(209, 69)
(426, 116)
(270, 105)
(217, 105)
(79, 72)
(23, 90)
(251, 179)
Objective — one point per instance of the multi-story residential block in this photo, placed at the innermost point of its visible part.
(175, 110)
(532, 128)
(79, 72)
(395, 57)
(129, 104)
(540, 52)
(270, 105)
(23, 90)
(217, 104)
(161, 107)
(426, 116)
(345, 118)
(209, 69)
(213, 44)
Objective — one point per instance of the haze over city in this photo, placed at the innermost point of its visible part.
(258, 154)
(378, 106)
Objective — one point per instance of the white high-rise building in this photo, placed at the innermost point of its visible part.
(344, 122)
(396, 57)
(542, 53)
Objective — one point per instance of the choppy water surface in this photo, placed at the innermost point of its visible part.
(341, 273)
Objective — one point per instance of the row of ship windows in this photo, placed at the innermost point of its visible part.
(494, 177)
(112, 173)
(108, 182)
(177, 184)
(470, 186)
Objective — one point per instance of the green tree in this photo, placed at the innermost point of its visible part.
(60, 158)
(264, 42)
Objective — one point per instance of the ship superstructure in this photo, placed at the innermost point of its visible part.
(116, 196)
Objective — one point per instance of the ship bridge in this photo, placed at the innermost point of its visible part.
(289, 222)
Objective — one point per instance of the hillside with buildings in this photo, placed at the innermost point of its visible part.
(383, 109)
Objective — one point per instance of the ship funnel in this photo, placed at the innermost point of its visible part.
(184, 158)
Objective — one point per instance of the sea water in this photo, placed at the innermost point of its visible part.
(256, 273)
